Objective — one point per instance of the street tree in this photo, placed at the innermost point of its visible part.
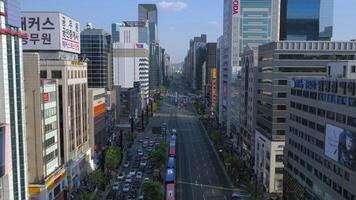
(158, 156)
(113, 158)
(152, 190)
(97, 178)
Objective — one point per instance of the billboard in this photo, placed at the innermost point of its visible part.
(213, 73)
(340, 146)
(235, 7)
(50, 31)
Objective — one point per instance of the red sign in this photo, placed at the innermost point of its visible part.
(45, 97)
(235, 7)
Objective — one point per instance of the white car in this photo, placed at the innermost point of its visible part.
(120, 177)
(132, 172)
(139, 175)
(146, 179)
(140, 197)
(140, 153)
(143, 163)
(128, 180)
(115, 186)
(126, 164)
(126, 188)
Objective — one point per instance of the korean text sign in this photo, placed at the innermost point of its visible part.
(50, 31)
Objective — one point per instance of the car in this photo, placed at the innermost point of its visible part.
(115, 186)
(126, 164)
(149, 149)
(128, 180)
(139, 175)
(239, 195)
(120, 177)
(132, 172)
(144, 145)
(145, 157)
(139, 152)
(146, 137)
(141, 197)
(140, 141)
(143, 163)
(146, 179)
(126, 188)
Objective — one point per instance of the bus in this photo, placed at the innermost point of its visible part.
(172, 151)
(170, 190)
(170, 163)
(169, 176)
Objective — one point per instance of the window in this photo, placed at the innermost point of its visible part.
(281, 120)
(279, 158)
(340, 118)
(56, 74)
(280, 132)
(281, 107)
(282, 95)
(344, 71)
(312, 110)
(330, 115)
(353, 69)
(278, 170)
(321, 112)
(43, 74)
(320, 128)
(282, 82)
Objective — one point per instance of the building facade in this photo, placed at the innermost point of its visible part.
(320, 147)
(13, 176)
(46, 172)
(98, 123)
(277, 62)
(95, 49)
(306, 19)
(148, 12)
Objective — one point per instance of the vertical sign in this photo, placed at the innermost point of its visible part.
(235, 8)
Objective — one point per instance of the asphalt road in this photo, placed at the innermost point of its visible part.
(200, 176)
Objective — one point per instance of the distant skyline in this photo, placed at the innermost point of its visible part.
(178, 21)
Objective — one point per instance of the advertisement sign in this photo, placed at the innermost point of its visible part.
(213, 73)
(108, 100)
(235, 8)
(340, 145)
(139, 46)
(50, 31)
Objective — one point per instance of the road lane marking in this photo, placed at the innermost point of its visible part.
(209, 186)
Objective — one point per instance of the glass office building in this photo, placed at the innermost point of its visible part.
(306, 19)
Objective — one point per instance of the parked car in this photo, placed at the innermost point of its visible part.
(115, 186)
(139, 175)
(120, 177)
(126, 188)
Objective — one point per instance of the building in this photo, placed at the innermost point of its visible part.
(148, 12)
(46, 172)
(98, 122)
(154, 68)
(320, 141)
(127, 104)
(249, 61)
(193, 64)
(95, 48)
(59, 61)
(220, 77)
(246, 23)
(131, 61)
(13, 159)
(306, 19)
(277, 62)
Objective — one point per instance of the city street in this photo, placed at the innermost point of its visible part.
(200, 175)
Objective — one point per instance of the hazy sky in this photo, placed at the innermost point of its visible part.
(179, 21)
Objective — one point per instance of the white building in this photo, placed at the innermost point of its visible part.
(131, 59)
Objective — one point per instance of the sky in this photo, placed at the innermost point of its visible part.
(178, 20)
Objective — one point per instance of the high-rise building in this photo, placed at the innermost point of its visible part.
(194, 60)
(246, 23)
(46, 172)
(154, 69)
(13, 155)
(306, 19)
(148, 12)
(320, 155)
(277, 62)
(248, 105)
(131, 58)
(95, 48)
(58, 49)
(210, 68)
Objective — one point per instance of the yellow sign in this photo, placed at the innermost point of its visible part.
(213, 73)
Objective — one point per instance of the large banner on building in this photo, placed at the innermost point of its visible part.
(340, 145)
(50, 31)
